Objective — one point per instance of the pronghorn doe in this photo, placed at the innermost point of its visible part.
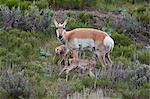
(86, 37)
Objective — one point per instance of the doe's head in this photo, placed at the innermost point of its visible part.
(60, 28)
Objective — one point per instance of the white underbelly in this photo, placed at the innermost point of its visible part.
(82, 43)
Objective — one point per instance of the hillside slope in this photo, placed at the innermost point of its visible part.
(115, 18)
(29, 67)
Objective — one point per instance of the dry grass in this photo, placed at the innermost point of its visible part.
(88, 94)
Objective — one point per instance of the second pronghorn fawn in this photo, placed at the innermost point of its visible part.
(82, 64)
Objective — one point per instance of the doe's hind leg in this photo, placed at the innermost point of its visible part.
(109, 61)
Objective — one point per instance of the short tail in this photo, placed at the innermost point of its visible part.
(109, 44)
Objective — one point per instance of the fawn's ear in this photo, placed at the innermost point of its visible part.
(56, 23)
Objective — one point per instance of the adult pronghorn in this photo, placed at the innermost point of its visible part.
(86, 38)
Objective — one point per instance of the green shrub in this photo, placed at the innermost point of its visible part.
(11, 56)
(12, 3)
(122, 85)
(121, 39)
(77, 24)
(77, 85)
(144, 57)
(24, 5)
(107, 25)
(142, 15)
(42, 4)
(19, 45)
(16, 85)
(135, 1)
(103, 83)
(139, 46)
(128, 52)
(108, 30)
(143, 93)
(146, 85)
(126, 62)
(2, 1)
(71, 4)
(108, 5)
(140, 10)
(3, 51)
(135, 93)
(127, 94)
(26, 49)
(144, 18)
(116, 95)
(87, 81)
(85, 17)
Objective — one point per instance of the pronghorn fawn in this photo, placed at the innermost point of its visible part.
(86, 37)
(61, 51)
(82, 64)
(85, 65)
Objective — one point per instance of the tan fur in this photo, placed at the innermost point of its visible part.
(95, 35)
(85, 33)
(83, 64)
(60, 50)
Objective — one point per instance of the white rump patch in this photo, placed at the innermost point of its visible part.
(109, 43)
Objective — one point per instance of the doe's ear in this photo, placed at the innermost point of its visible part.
(65, 22)
(55, 22)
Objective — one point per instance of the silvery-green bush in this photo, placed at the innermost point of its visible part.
(15, 85)
(32, 19)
